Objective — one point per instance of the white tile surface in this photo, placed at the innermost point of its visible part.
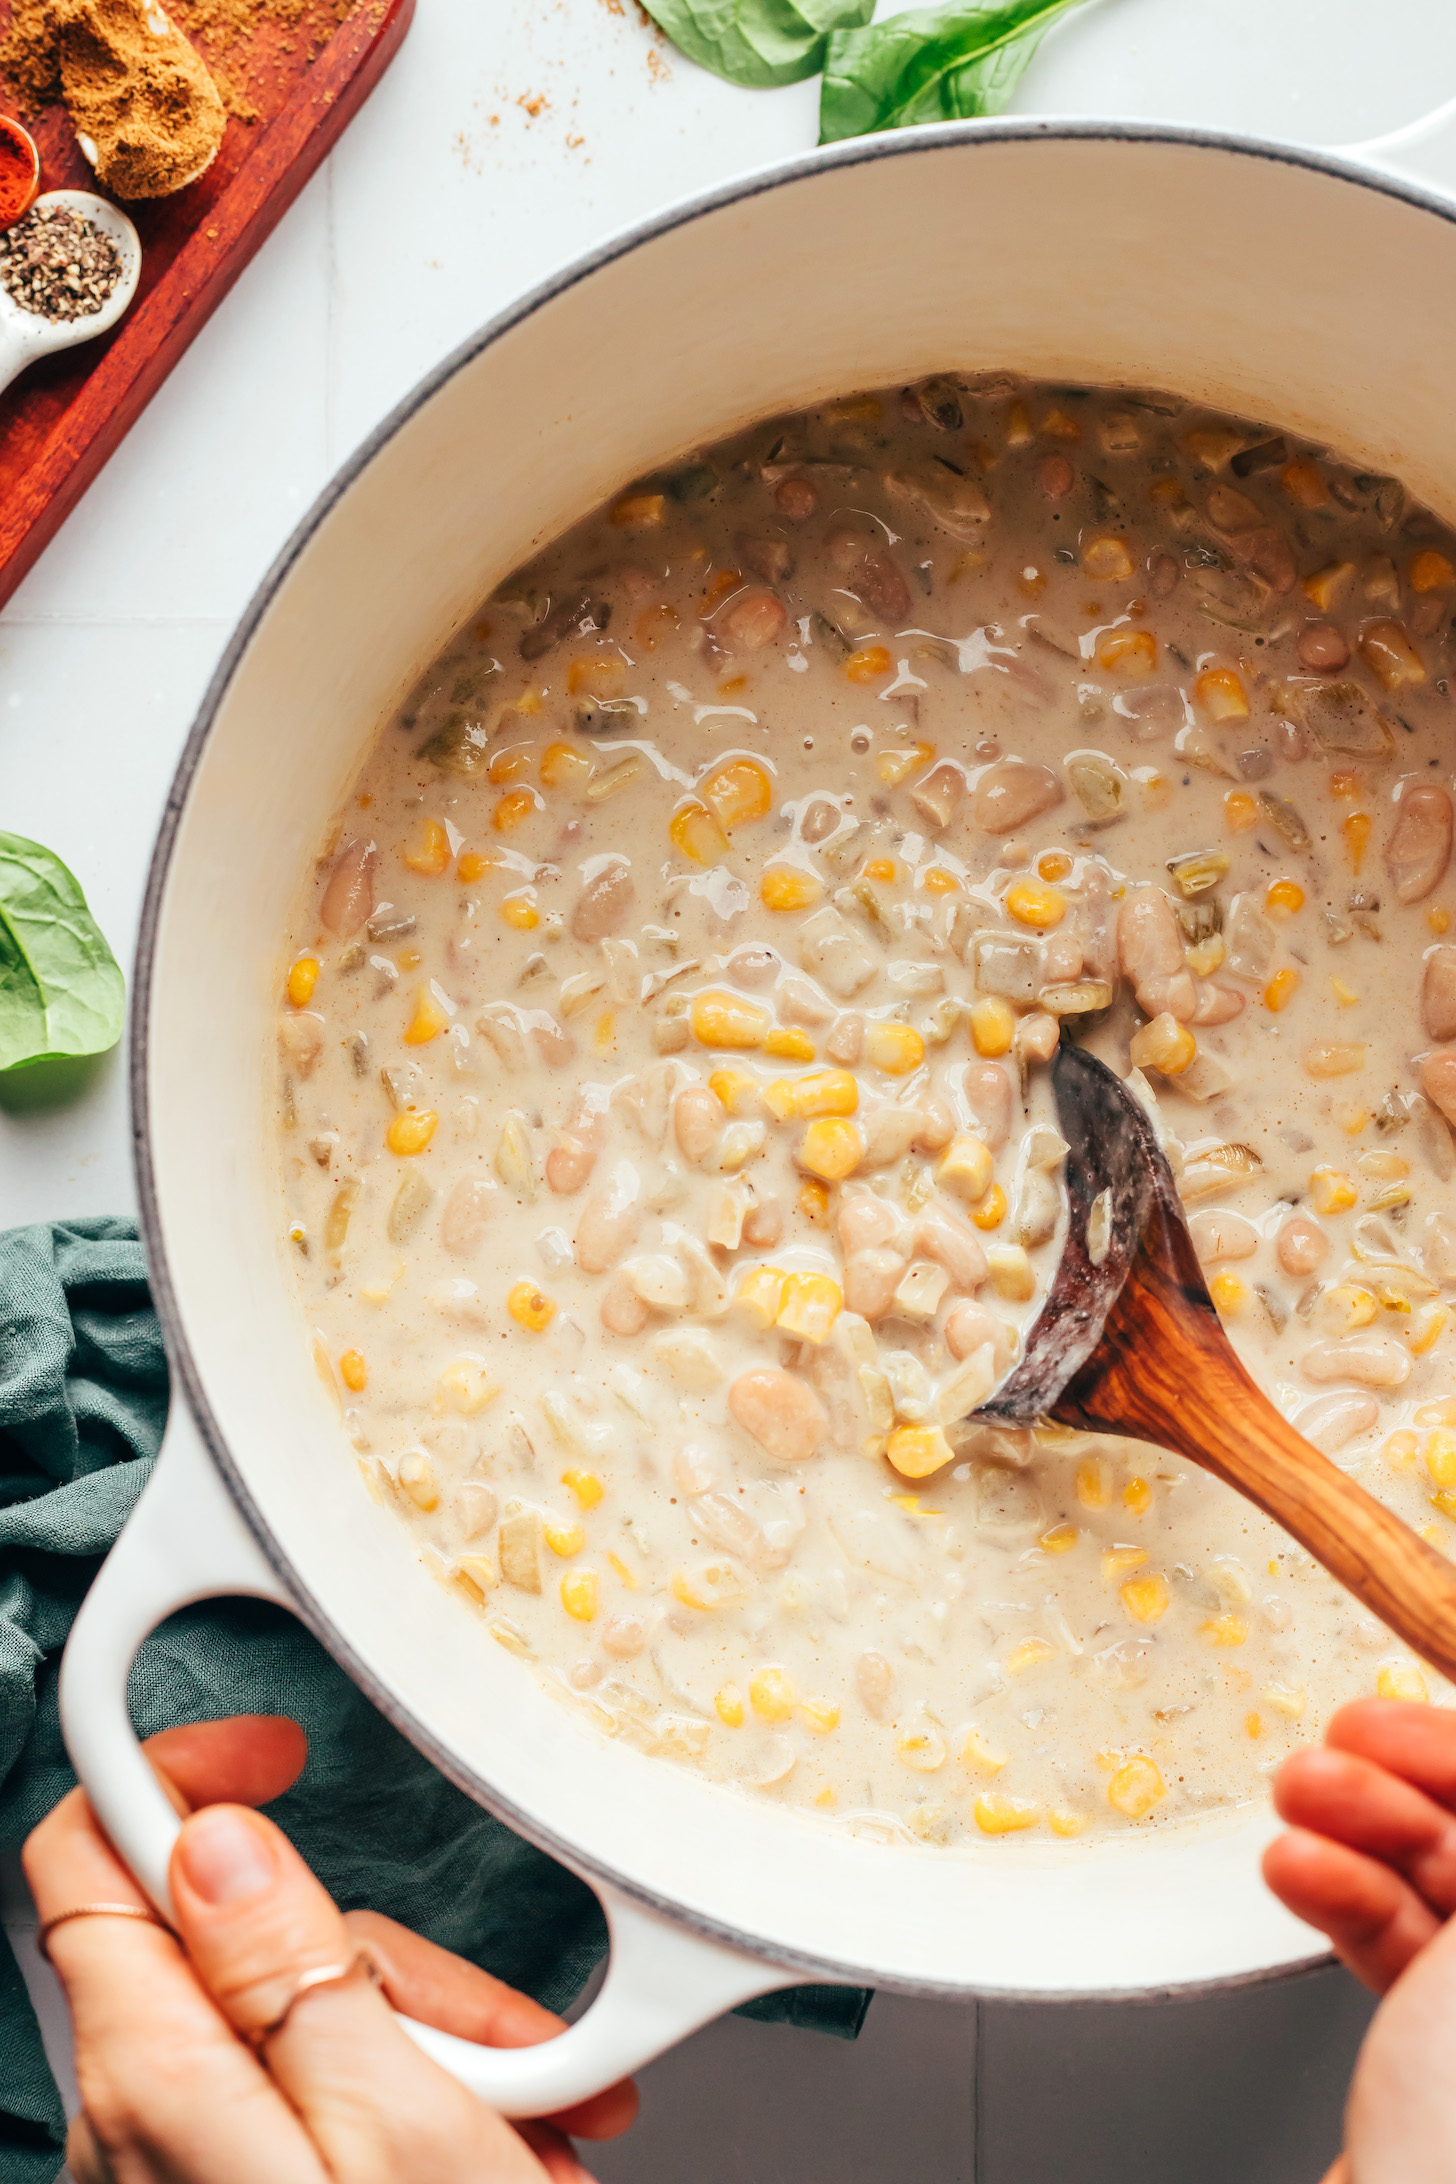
(453, 192)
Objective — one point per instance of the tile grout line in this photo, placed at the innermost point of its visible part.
(331, 297)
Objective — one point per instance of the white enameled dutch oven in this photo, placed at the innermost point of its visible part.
(1315, 293)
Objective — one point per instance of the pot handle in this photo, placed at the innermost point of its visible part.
(1422, 151)
(185, 1541)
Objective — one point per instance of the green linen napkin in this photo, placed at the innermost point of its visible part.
(83, 1399)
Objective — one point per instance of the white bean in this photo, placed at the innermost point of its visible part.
(1011, 793)
(871, 1278)
(1438, 994)
(1371, 1361)
(968, 1326)
(697, 1119)
(622, 1310)
(937, 1126)
(605, 901)
(953, 1247)
(1419, 849)
(467, 1211)
(763, 1224)
(1332, 1420)
(875, 1679)
(349, 897)
(301, 1040)
(865, 1220)
(623, 1636)
(569, 1163)
(988, 1095)
(610, 1220)
(1301, 1247)
(846, 1040)
(1222, 1235)
(782, 1414)
(1150, 952)
(1438, 1081)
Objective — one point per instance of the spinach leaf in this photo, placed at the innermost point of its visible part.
(932, 64)
(61, 991)
(759, 43)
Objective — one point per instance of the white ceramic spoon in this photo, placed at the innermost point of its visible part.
(25, 335)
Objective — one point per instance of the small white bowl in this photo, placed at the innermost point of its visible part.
(26, 335)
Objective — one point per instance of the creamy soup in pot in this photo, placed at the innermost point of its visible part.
(666, 1139)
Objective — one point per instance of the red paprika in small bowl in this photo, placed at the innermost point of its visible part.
(19, 171)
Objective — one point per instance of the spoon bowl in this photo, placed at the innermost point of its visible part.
(1128, 1342)
(25, 336)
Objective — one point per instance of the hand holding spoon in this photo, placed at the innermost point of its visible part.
(1128, 1342)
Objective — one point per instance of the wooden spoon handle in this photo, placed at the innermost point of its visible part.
(1169, 1375)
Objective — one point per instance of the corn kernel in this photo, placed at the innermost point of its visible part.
(1333, 1058)
(1390, 656)
(1352, 1120)
(1438, 918)
(513, 807)
(786, 887)
(738, 792)
(1430, 571)
(771, 1694)
(1107, 559)
(1229, 1295)
(1224, 1630)
(1402, 1680)
(1347, 1307)
(1063, 1821)
(1324, 587)
(759, 1295)
(1136, 1787)
(431, 855)
(579, 1594)
(475, 1575)
(471, 864)
(1331, 1192)
(828, 1092)
(529, 1308)
(1356, 831)
(937, 881)
(737, 1089)
(639, 512)
(996, 1814)
(1253, 1726)
(563, 1539)
(412, 1130)
(1284, 898)
(917, 1451)
(302, 978)
(728, 1704)
(1222, 695)
(831, 1149)
(1290, 1700)
(1281, 989)
(1059, 1539)
(966, 1168)
(1145, 1598)
(1122, 1556)
(820, 1715)
(1345, 997)
(727, 1020)
(1240, 811)
(1304, 483)
(564, 768)
(990, 1211)
(1029, 1654)
(428, 1020)
(1437, 1414)
(353, 1371)
(922, 1749)
(893, 1047)
(1093, 1482)
(468, 1386)
(586, 1486)
(1137, 1496)
(1427, 1327)
(519, 911)
(809, 1305)
(510, 765)
(1163, 1044)
(1131, 653)
(1440, 1455)
(868, 664)
(814, 1203)
(416, 1475)
(1401, 1450)
(1018, 425)
(1033, 902)
(698, 832)
(788, 1044)
(885, 868)
(976, 1753)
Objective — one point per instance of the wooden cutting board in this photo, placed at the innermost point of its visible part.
(60, 420)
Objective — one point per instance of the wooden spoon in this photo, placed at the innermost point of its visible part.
(1128, 1342)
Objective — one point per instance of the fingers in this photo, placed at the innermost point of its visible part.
(255, 1922)
(440, 1989)
(249, 1760)
(1416, 1742)
(1355, 1801)
(162, 2079)
(1375, 1919)
(555, 2153)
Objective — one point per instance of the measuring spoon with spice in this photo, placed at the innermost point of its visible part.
(19, 170)
(68, 269)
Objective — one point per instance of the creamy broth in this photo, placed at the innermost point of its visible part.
(667, 1147)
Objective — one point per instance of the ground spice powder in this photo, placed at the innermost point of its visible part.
(17, 172)
(146, 111)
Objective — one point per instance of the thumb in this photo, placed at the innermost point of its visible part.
(260, 1933)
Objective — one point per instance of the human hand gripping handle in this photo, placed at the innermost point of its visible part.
(186, 1541)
